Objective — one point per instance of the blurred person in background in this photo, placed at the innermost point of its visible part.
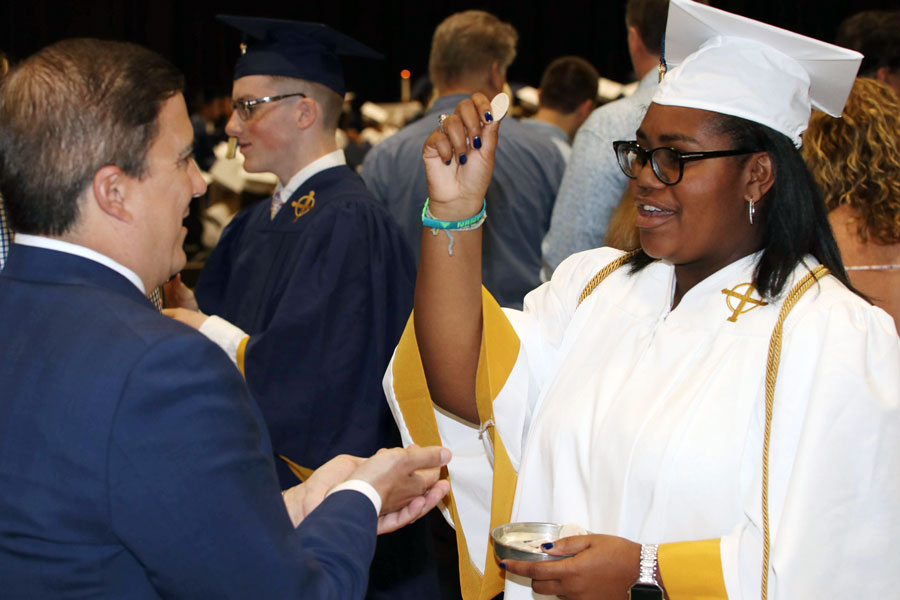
(856, 161)
(875, 34)
(568, 94)
(470, 52)
(593, 183)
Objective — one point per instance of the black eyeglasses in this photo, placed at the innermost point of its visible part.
(245, 108)
(667, 163)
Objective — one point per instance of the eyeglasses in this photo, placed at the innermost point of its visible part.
(245, 108)
(667, 163)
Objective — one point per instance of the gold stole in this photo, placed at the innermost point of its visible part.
(499, 350)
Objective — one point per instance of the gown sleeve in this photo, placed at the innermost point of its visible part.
(518, 354)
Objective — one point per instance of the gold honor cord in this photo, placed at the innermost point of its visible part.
(603, 274)
(772, 361)
(771, 375)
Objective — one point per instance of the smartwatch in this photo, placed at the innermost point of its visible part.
(647, 587)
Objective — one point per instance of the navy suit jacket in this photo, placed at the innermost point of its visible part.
(133, 463)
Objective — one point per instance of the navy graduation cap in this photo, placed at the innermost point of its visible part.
(295, 49)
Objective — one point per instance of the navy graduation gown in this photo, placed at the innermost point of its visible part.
(324, 296)
(324, 291)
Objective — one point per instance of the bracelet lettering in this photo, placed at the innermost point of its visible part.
(428, 219)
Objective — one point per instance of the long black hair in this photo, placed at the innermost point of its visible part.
(795, 219)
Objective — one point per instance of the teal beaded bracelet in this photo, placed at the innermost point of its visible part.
(428, 219)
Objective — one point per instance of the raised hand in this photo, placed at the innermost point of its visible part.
(603, 566)
(448, 285)
(459, 159)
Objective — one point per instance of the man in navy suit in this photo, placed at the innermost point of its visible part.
(133, 463)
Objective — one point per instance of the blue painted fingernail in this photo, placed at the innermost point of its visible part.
(503, 566)
(488, 117)
(547, 545)
(462, 159)
(448, 161)
(477, 142)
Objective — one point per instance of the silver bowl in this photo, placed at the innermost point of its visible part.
(521, 541)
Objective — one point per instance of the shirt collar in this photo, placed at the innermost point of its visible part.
(651, 77)
(549, 128)
(332, 159)
(46, 243)
(446, 104)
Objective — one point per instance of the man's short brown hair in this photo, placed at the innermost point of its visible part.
(567, 82)
(331, 104)
(69, 110)
(467, 43)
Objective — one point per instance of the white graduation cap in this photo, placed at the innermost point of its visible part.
(737, 66)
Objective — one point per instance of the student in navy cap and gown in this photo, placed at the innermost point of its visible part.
(309, 292)
(721, 409)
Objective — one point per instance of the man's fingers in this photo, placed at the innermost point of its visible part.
(428, 457)
(429, 476)
(415, 507)
(436, 493)
(414, 510)
(401, 517)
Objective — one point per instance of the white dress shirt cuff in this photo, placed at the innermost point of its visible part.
(363, 487)
(224, 334)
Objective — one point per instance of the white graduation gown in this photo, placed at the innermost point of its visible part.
(633, 420)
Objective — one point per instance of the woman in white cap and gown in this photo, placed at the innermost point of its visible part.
(720, 408)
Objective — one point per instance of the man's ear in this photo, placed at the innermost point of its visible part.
(307, 113)
(761, 175)
(109, 186)
(634, 40)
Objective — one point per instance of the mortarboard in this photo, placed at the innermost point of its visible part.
(295, 49)
(737, 66)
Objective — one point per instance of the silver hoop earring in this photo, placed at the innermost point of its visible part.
(751, 209)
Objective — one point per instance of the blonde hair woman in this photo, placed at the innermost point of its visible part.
(856, 160)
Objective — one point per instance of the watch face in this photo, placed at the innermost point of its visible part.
(645, 591)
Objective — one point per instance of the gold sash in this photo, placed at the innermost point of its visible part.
(499, 350)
